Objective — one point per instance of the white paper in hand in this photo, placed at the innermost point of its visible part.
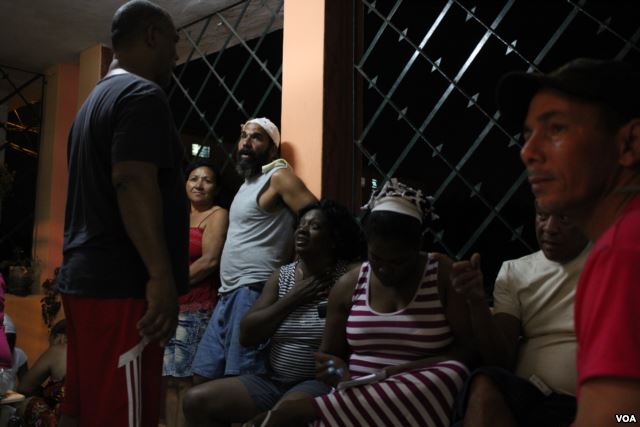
(367, 379)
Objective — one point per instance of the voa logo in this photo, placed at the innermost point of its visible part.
(624, 418)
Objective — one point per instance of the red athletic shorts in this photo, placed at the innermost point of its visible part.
(113, 376)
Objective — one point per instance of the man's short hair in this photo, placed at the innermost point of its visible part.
(611, 84)
(132, 19)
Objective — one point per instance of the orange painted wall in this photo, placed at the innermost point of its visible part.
(90, 71)
(302, 89)
(60, 105)
(68, 85)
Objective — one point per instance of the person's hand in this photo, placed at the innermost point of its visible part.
(160, 320)
(312, 288)
(467, 280)
(391, 370)
(330, 369)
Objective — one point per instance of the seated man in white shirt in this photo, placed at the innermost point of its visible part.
(528, 344)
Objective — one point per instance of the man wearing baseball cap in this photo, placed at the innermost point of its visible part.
(259, 240)
(582, 153)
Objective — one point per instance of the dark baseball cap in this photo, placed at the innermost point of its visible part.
(613, 84)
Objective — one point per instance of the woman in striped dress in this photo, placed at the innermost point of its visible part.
(287, 315)
(395, 317)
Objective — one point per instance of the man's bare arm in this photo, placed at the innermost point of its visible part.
(294, 193)
(496, 336)
(140, 205)
(601, 399)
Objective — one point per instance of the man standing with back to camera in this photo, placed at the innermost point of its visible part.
(126, 229)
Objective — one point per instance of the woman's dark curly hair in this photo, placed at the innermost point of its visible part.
(345, 230)
(200, 162)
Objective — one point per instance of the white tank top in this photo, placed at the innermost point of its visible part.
(258, 242)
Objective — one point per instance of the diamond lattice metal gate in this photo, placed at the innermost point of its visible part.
(20, 134)
(427, 72)
(232, 71)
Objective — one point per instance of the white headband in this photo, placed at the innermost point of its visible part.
(397, 197)
(398, 205)
(268, 127)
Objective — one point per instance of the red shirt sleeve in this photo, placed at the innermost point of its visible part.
(608, 312)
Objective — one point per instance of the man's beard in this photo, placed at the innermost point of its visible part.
(252, 165)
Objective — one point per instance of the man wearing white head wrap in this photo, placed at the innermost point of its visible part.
(259, 240)
(268, 126)
(258, 148)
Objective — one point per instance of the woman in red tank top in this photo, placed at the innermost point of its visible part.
(207, 233)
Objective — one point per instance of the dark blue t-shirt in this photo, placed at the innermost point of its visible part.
(125, 118)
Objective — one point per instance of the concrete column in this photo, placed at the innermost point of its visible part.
(317, 90)
(94, 63)
(68, 85)
(60, 106)
(302, 89)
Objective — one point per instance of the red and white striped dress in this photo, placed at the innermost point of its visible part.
(423, 397)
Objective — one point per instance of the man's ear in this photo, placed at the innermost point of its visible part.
(274, 151)
(629, 144)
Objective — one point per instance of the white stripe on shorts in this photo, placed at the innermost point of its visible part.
(132, 361)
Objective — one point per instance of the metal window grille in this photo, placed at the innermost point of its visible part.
(427, 73)
(20, 131)
(232, 71)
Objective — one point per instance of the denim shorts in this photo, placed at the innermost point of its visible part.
(266, 391)
(181, 349)
(219, 352)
